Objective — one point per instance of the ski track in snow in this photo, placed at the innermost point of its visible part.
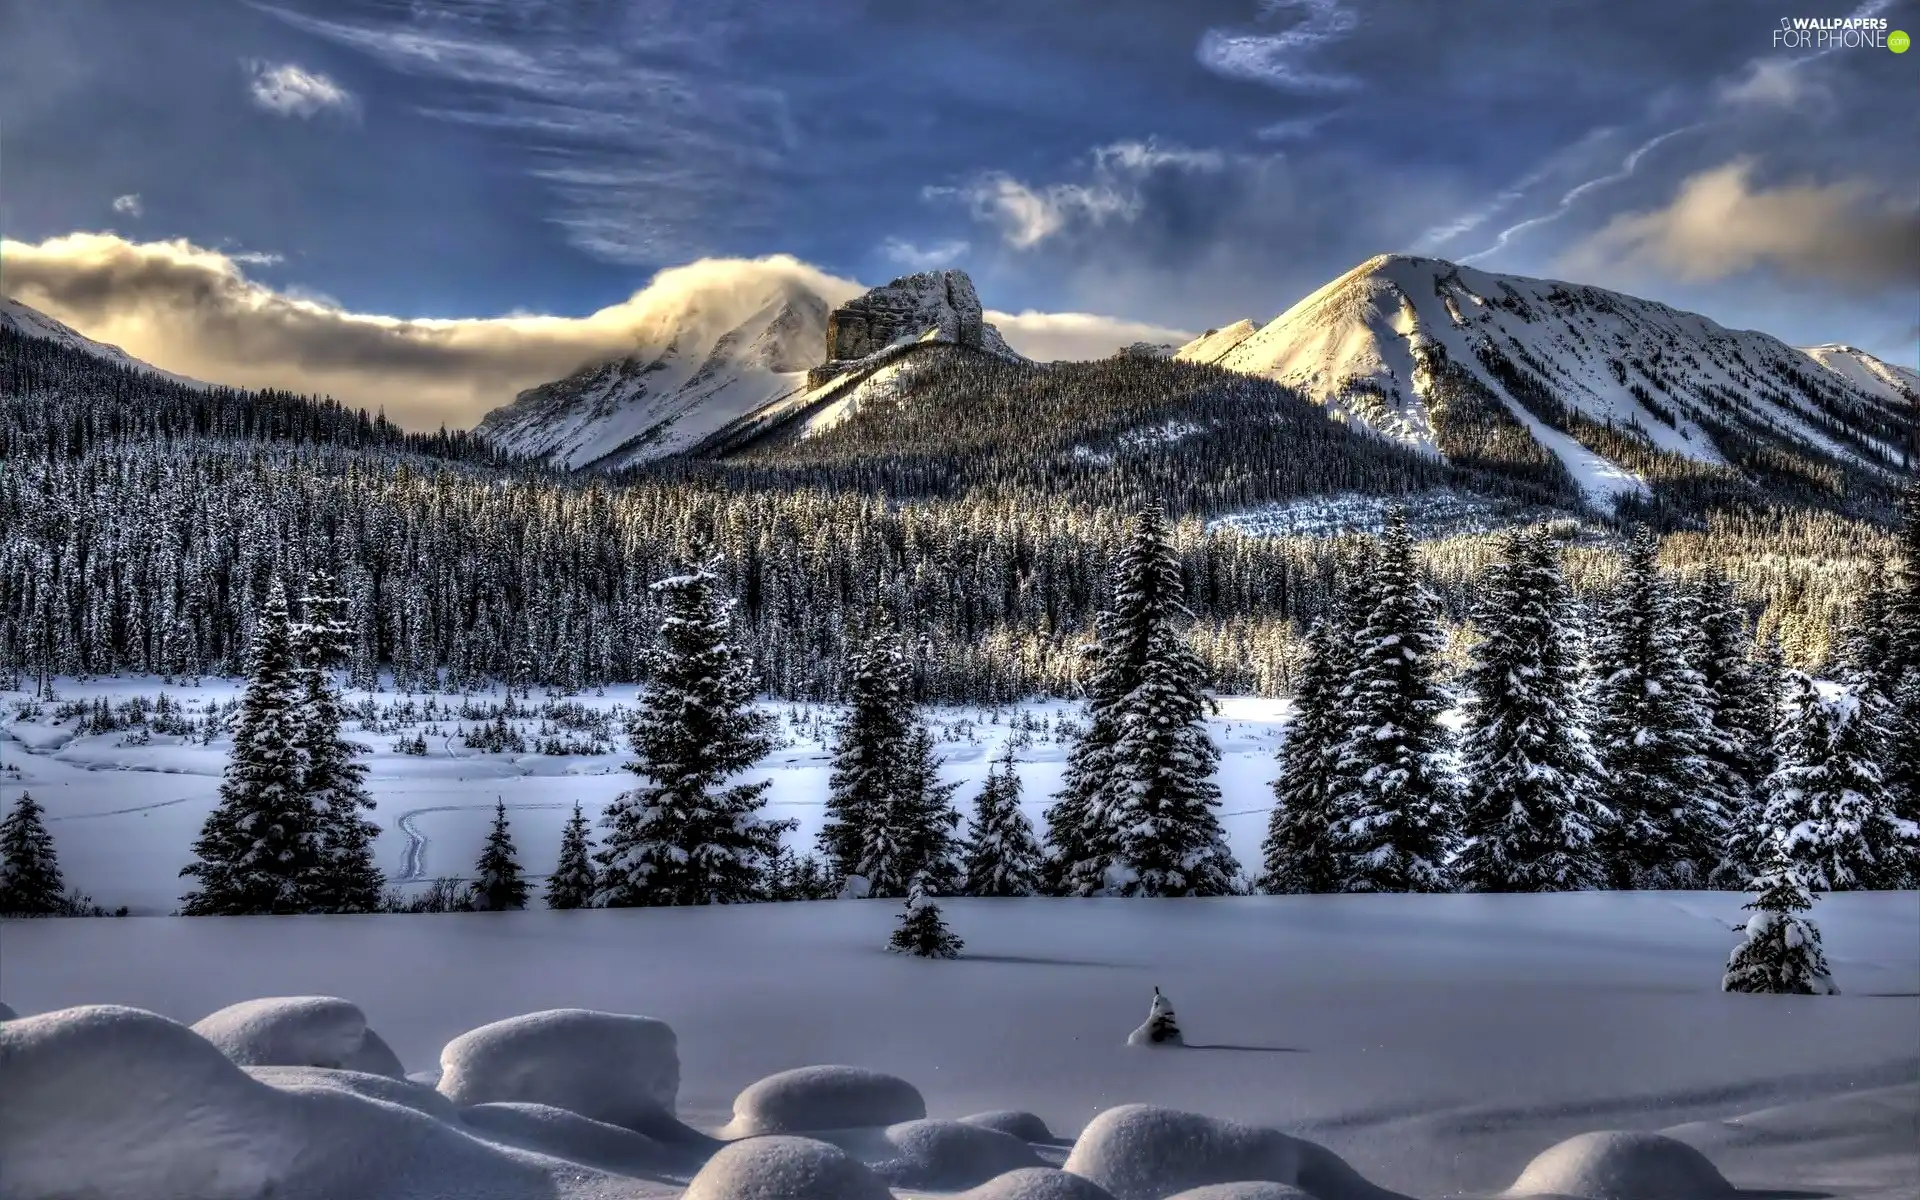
(413, 860)
(120, 812)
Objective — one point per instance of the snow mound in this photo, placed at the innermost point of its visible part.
(622, 1070)
(109, 1102)
(945, 1155)
(545, 1129)
(299, 1031)
(1622, 1166)
(1037, 1183)
(785, 1168)
(1245, 1191)
(6, 1013)
(1142, 1152)
(814, 1098)
(1023, 1125)
(384, 1088)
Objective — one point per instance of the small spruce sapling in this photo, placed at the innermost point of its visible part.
(922, 932)
(499, 885)
(574, 881)
(1781, 954)
(1161, 1029)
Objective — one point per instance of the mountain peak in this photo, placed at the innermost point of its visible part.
(929, 306)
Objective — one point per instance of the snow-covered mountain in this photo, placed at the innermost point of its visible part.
(692, 372)
(695, 376)
(1874, 375)
(28, 321)
(1587, 372)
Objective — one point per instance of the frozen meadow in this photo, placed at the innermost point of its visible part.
(1435, 1044)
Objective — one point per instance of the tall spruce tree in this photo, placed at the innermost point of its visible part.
(333, 779)
(686, 835)
(1530, 812)
(260, 850)
(1781, 953)
(498, 885)
(1003, 857)
(1900, 755)
(911, 834)
(1827, 809)
(1299, 854)
(30, 881)
(1396, 816)
(1653, 732)
(574, 881)
(1140, 805)
(870, 748)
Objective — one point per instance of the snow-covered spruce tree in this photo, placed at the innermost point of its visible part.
(1653, 732)
(922, 931)
(30, 882)
(1299, 855)
(1529, 811)
(869, 748)
(498, 885)
(1827, 810)
(1396, 817)
(1078, 850)
(574, 881)
(911, 833)
(1003, 858)
(333, 779)
(1742, 689)
(1143, 800)
(1781, 954)
(1900, 755)
(685, 835)
(260, 848)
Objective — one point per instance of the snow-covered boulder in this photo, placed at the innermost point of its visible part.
(419, 1097)
(1245, 1191)
(622, 1070)
(567, 1135)
(1141, 1152)
(1618, 1165)
(814, 1098)
(944, 1155)
(1037, 1183)
(299, 1031)
(1023, 1125)
(116, 1103)
(785, 1168)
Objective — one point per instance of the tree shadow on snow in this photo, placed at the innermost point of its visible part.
(1040, 960)
(1247, 1049)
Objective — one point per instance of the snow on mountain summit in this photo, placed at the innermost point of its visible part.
(694, 369)
(1374, 345)
(1868, 373)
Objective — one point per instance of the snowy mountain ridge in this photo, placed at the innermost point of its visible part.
(28, 321)
(1565, 360)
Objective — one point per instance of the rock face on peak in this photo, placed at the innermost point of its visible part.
(932, 306)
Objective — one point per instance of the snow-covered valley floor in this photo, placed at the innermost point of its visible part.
(124, 811)
(1436, 1043)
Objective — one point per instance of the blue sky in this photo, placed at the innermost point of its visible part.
(1181, 163)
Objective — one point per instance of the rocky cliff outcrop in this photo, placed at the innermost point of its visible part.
(932, 306)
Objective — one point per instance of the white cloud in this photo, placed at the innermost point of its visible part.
(1027, 215)
(1280, 58)
(290, 90)
(258, 258)
(1773, 83)
(128, 205)
(1848, 234)
(924, 258)
(192, 310)
(1047, 337)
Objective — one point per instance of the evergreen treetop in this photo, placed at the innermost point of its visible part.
(30, 880)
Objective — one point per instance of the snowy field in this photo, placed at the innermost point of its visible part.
(1436, 1043)
(124, 806)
